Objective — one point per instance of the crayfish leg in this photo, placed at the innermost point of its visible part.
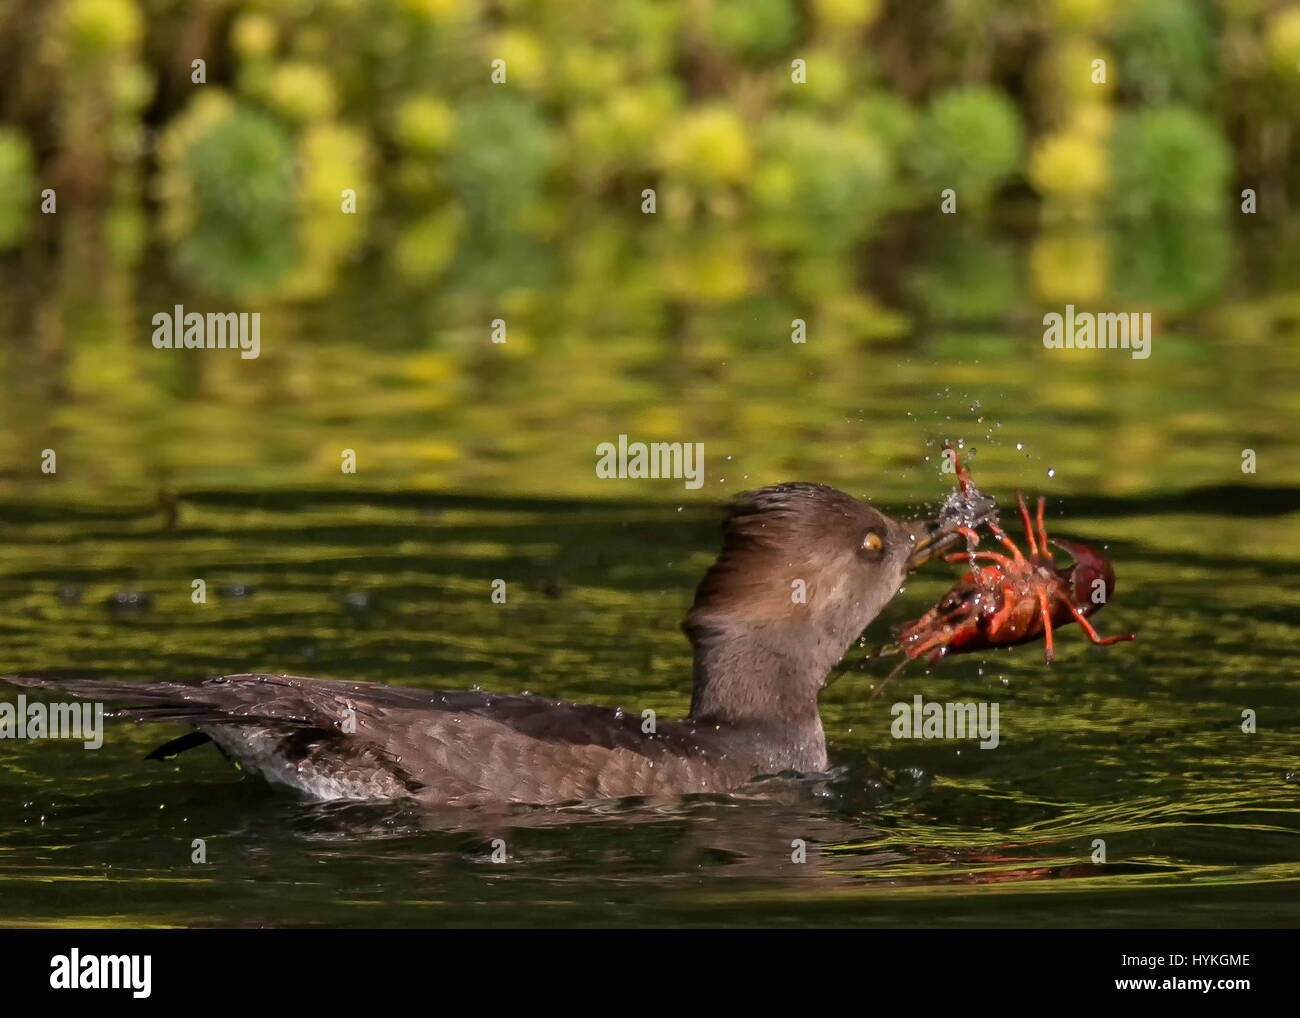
(963, 476)
(1029, 528)
(1042, 531)
(1046, 613)
(969, 555)
(1006, 542)
(1093, 635)
(978, 556)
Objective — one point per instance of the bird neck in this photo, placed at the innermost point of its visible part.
(766, 679)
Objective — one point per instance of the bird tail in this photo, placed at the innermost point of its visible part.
(141, 701)
(152, 701)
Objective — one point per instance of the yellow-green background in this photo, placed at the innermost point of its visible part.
(776, 201)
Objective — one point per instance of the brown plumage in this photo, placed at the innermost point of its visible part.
(803, 570)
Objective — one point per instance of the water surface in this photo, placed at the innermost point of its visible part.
(1139, 745)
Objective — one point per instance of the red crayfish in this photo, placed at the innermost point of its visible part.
(1015, 597)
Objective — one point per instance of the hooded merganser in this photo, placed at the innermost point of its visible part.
(803, 570)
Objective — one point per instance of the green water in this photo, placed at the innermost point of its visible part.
(476, 463)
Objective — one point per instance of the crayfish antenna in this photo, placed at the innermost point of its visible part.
(880, 650)
(888, 679)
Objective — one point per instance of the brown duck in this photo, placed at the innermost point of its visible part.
(803, 570)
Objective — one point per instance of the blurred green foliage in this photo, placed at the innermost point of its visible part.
(17, 186)
(700, 101)
(1170, 163)
(970, 140)
(499, 162)
(352, 170)
(1167, 51)
(755, 29)
(242, 228)
(820, 187)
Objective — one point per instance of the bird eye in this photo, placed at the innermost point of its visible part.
(872, 543)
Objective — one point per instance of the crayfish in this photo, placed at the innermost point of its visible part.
(1011, 598)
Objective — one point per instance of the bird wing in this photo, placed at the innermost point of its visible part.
(361, 739)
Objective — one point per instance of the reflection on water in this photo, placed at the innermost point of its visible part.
(1138, 745)
(476, 462)
(948, 343)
